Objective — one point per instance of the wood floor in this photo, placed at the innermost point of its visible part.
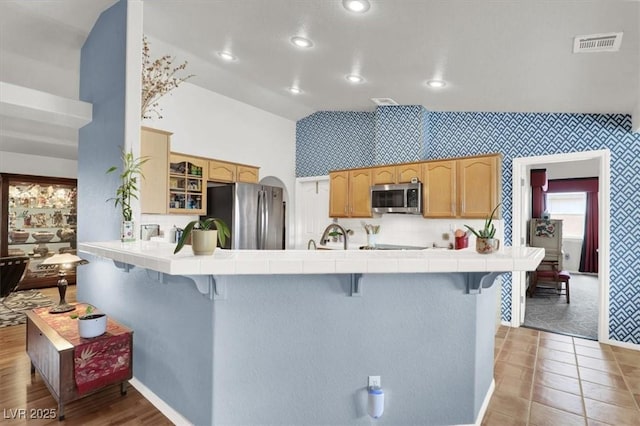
(19, 390)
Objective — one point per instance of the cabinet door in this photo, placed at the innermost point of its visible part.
(221, 171)
(339, 194)
(406, 172)
(360, 193)
(383, 175)
(439, 189)
(247, 174)
(478, 186)
(154, 144)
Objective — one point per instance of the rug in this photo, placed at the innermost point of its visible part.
(550, 312)
(20, 302)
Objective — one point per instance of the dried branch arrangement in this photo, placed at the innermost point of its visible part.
(158, 79)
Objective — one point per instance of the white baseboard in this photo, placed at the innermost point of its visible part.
(506, 323)
(175, 417)
(485, 405)
(632, 346)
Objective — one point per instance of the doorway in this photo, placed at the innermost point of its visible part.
(521, 213)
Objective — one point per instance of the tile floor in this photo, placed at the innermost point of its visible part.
(551, 379)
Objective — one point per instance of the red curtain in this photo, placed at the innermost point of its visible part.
(538, 187)
(589, 256)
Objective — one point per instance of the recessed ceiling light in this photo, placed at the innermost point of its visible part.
(295, 90)
(227, 56)
(354, 78)
(358, 6)
(301, 42)
(436, 84)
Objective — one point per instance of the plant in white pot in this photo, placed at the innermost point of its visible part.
(128, 191)
(91, 323)
(485, 241)
(203, 236)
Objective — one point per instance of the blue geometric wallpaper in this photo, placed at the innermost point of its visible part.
(328, 140)
(453, 134)
(399, 134)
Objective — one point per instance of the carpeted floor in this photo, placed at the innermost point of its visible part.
(19, 302)
(549, 311)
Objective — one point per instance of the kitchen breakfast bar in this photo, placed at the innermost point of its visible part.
(290, 337)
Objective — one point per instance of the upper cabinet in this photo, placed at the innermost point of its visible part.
(439, 189)
(464, 187)
(187, 184)
(400, 173)
(224, 171)
(155, 145)
(350, 193)
(478, 185)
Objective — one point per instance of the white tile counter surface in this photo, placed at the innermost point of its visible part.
(158, 256)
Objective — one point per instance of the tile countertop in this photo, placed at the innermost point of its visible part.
(158, 256)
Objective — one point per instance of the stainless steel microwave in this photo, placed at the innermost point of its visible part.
(398, 198)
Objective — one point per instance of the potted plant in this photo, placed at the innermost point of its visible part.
(485, 243)
(91, 324)
(127, 191)
(203, 237)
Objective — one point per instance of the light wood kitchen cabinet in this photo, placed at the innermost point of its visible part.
(478, 185)
(439, 189)
(187, 184)
(383, 175)
(406, 172)
(224, 171)
(155, 145)
(247, 174)
(462, 187)
(350, 193)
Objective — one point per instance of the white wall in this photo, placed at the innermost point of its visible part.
(24, 164)
(208, 124)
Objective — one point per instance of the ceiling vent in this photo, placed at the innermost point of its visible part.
(609, 42)
(384, 101)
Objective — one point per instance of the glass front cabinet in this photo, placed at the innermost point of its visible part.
(38, 220)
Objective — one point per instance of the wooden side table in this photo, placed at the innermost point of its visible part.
(53, 357)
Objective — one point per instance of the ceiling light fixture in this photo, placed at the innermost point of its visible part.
(227, 56)
(301, 42)
(358, 6)
(436, 84)
(354, 78)
(295, 90)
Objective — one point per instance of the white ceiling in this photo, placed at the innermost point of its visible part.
(511, 56)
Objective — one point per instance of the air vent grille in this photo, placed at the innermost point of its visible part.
(383, 101)
(609, 42)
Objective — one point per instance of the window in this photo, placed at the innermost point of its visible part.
(570, 207)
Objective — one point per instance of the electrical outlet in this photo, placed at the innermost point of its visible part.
(374, 381)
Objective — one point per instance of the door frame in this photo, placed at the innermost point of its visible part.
(521, 197)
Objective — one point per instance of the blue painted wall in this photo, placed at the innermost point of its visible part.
(451, 134)
(182, 333)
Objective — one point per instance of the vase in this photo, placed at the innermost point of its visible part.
(127, 233)
(371, 240)
(487, 245)
(203, 242)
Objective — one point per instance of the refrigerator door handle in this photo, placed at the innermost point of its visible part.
(259, 222)
(265, 228)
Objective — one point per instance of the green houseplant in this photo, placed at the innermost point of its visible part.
(485, 243)
(203, 237)
(127, 191)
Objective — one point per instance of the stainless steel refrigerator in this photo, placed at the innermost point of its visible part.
(254, 213)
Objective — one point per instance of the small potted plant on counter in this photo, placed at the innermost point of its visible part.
(91, 323)
(203, 237)
(485, 243)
